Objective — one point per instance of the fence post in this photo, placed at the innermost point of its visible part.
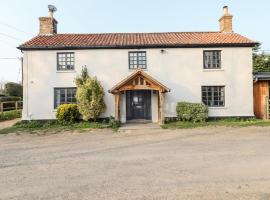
(16, 105)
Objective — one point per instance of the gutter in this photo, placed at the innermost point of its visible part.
(137, 46)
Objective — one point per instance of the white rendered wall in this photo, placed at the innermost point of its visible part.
(179, 69)
(154, 108)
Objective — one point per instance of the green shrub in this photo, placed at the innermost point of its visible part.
(13, 89)
(10, 98)
(67, 113)
(113, 123)
(36, 124)
(90, 96)
(194, 112)
(9, 115)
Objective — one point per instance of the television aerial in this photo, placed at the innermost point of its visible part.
(52, 8)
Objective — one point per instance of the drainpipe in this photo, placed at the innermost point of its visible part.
(25, 84)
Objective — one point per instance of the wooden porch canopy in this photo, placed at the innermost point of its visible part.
(139, 80)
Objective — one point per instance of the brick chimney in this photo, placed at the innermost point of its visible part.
(225, 21)
(48, 25)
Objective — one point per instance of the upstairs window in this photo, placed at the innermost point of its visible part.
(65, 61)
(64, 96)
(213, 96)
(212, 59)
(137, 60)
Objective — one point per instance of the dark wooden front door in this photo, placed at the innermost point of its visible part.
(138, 104)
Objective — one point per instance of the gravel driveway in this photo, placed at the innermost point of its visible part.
(208, 163)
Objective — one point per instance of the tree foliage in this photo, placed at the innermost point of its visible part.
(13, 89)
(261, 61)
(89, 96)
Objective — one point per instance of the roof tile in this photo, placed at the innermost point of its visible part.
(129, 40)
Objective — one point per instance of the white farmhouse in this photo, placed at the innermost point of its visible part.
(144, 75)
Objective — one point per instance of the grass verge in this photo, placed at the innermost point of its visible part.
(9, 115)
(231, 122)
(54, 127)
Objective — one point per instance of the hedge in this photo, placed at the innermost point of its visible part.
(6, 99)
(194, 112)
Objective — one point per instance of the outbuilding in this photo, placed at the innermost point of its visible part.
(261, 95)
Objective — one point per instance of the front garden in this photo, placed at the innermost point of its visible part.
(195, 115)
(54, 126)
(229, 122)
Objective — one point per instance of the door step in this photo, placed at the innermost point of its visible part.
(139, 121)
(139, 126)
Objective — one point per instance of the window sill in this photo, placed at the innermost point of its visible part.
(66, 71)
(212, 70)
(214, 108)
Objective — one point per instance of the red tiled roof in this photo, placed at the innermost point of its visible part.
(140, 40)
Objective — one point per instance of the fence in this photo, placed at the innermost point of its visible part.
(10, 105)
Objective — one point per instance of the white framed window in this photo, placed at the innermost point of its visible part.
(213, 96)
(212, 59)
(65, 61)
(137, 60)
(64, 96)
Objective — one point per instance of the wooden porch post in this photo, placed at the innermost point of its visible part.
(161, 104)
(116, 107)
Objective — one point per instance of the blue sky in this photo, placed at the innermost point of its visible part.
(19, 20)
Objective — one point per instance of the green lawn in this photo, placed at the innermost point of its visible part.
(232, 122)
(54, 127)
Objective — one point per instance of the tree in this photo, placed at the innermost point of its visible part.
(89, 96)
(261, 61)
(13, 89)
(2, 87)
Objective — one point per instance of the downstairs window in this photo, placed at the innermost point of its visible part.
(64, 96)
(213, 96)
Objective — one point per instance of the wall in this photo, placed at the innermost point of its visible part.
(179, 69)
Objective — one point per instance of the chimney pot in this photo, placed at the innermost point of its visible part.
(225, 10)
(50, 14)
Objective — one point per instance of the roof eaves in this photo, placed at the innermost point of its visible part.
(261, 76)
(26, 47)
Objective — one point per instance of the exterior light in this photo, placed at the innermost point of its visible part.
(162, 51)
